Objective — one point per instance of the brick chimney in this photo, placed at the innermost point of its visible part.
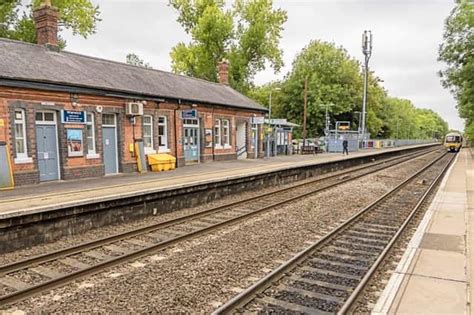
(224, 72)
(46, 21)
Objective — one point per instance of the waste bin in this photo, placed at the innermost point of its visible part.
(161, 162)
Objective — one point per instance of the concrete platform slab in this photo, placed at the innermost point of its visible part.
(446, 206)
(456, 197)
(443, 242)
(440, 264)
(449, 223)
(424, 295)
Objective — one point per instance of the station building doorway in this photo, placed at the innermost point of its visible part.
(109, 142)
(191, 140)
(47, 145)
(241, 140)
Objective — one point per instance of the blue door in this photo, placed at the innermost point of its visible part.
(109, 141)
(191, 144)
(47, 150)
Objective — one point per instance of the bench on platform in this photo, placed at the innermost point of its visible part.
(309, 149)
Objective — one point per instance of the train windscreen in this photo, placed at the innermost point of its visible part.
(452, 139)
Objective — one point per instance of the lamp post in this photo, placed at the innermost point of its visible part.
(398, 122)
(358, 122)
(367, 51)
(327, 123)
(270, 118)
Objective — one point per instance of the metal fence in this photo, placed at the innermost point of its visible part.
(335, 145)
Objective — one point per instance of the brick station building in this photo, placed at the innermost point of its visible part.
(64, 115)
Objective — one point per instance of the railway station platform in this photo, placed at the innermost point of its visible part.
(55, 195)
(46, 212)
(434, 275)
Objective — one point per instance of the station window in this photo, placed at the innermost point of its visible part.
(45, 117)
(148, 132)
(217, 133)
(108, 120)
(20, 134)
(226, 132)
(90, 133)
(162, 133)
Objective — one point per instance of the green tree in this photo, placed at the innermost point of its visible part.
(79, 16)
(457, 51)
(402, 120)
(248, 35)
(336, 78)
(135, 60)
(333, 78)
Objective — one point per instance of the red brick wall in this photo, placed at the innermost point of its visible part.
(74, 167)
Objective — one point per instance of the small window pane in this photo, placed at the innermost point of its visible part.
(20, 146)
(18, 131)
(89, 118)
(161, 120)
(108, 120)
(39, 116)
(18, 115)
(147, 119)
(90, 144)
(48, 117)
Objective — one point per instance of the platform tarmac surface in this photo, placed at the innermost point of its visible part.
(56, 195)
(434, 274)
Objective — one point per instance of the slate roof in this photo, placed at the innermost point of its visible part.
(35, 63)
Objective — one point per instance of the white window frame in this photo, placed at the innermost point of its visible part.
(91, 153)
(226, 138)
(218, 134)
(163, 147)
(150, 149)
(21, 158)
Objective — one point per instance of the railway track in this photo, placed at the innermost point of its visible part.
(31, 276)
(330, 275)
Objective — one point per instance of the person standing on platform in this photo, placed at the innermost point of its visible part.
(345, 145)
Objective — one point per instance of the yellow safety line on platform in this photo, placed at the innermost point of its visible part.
(72, 193)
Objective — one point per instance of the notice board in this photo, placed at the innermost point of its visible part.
(6, 174)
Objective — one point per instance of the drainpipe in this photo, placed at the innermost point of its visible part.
(212, 134)
(176, 131)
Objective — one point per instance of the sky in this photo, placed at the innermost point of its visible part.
(406, 36)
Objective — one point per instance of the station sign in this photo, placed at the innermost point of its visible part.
(278, 121)
(189, 114)
(343, 125)
(73, 117)
(258, 120)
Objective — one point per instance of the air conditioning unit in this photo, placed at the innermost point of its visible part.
(134, 109)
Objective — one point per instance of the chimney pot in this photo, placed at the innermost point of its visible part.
(224, 72)
(46, 21)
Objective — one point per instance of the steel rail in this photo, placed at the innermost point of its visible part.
(346, 307)
(8, 268)
(99, 267)
(258, 287)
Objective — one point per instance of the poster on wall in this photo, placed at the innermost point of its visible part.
(74, 142)
(208, 138)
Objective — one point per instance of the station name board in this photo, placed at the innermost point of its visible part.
(189, 114)
(73, 117)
